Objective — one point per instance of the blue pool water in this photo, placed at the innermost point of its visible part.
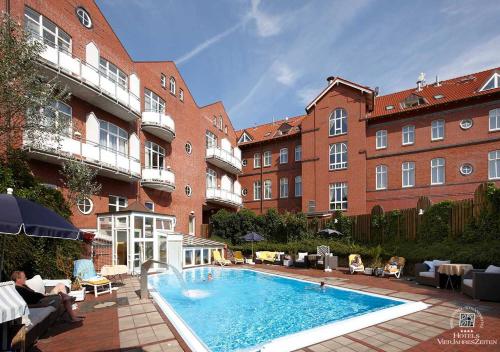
(239, 309)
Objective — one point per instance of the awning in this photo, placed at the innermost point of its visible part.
(12, 305)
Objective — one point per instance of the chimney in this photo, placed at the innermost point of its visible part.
(377, 89)
(421, 81)
(438, 84)
(330, 79)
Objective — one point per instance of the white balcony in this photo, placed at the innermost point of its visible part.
(162, 180)
(224, 197)
(109, 163)
(158, 124)
(88, 83)
(224, 159)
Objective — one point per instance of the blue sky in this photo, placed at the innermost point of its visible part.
(269, 58)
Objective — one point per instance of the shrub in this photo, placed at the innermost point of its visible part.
(435, 225)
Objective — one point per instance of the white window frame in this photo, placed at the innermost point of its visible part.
(437, 130)
(188, 147)
(267, 158)
(211, 178)
(381, 139)
(85, 206)
(154, 156)
(339, 153)
(181, 94)
(407, 132)
(257, 190)
(62, 40)
(408, 174)
(298, 152)
(163, 80)
(268, 189)
(152, 208)
(338, 196)
(172, 85)
(494, 120)
(220, 123)
(284, 187)
(210, 139)
(438, 171)
(84, 17)
(107, 134)
(338, 122)
(117, 203)
(153, 102)
(256, 160)
(113, 72)
(298, 186)
(283, 155)
(188, 190)
(494, 165)
(495, 78)
(381, 177)
(61, 111)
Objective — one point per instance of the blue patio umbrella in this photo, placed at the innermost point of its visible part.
(253, 237)
(22, 216)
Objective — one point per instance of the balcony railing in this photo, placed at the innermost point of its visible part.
(163, 180)
(224, 159)
(76, 68)
(224, 197)
(111, 163)
(158, 124)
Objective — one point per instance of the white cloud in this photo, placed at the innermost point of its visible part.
(250, 94)
(284, 74)
(267, 25)
(306, 95)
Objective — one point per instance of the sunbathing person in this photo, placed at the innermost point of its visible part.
(56, 297)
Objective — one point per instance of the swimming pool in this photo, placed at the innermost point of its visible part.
(247, 310)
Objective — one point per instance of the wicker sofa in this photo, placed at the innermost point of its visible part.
(482, 284)
(425, 277)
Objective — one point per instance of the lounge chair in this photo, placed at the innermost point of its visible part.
(114, 271)
(394, 267)
(85, 272)
(427, 273)
(355, 264)
(219, 260)
(482, 284)
(268, 257)
(301, 260)
(238, 257)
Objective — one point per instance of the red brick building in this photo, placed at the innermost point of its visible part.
(439, 140)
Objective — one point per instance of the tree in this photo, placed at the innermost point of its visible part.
(28, 98)
(79, 180)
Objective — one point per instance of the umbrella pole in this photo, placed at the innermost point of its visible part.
(252, 251)
(1, 259)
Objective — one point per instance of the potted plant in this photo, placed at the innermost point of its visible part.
(376, 263)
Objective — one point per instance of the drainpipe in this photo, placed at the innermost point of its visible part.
(261, 177)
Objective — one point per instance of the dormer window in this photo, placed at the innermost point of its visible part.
(493, 83)
(244, 138)
(412, 101)
(389, 107)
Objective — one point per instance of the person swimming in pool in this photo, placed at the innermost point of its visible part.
(209, 277)
(321, 287)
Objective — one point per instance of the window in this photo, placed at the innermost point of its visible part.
(298, 186)
(465, 124)
(437, 171)
(83, 17)
(338, 196)
(256, 190)
(155, 156)
(494, 165)
(244, 162)
(112, 72)
(408, 174)
(437, 130)
(181, 94)
(172, 85)
(267, 189)
(466, 169)
(163, 80)
(381, 139)
(408, 135)
(283, 155)
(381, 177)
(150, 205)
(152, 102)
(244, 192)
(211, 139)
(493, 82)
(116, 203)
(267, 158)
(438, 96)
(244, 138)
(220, 123)
(283, 187)
(40, 27)
(59, 115)
(214, 121)
(85, 205)
(412, 101)
(211, 178)
(389, 107)
(225, 129)
(188, 190)
(338, 156)
(113, 137)
(298, 153)
(256, 160)
(192, 224)
(338, 122)
(495, 120)
(188, 148)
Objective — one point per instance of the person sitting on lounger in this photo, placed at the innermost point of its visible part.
(56, 297)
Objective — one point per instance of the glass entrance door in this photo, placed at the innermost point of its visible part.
(143, 251)
(121, 247)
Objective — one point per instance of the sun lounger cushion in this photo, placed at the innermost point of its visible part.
(467, 282)
(430, 264)
(36, 284)
(302, 256)
(98, 280)
(493, 269)
(427, 273)
(37, 315)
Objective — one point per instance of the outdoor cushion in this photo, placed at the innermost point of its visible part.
(427, 273)
(467, 282)
(430, 264)
(37, 315)
(36, 284)
(301, 257)
(493, 269)
(437, 262)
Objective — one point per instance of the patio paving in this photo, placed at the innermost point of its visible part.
(133, 324)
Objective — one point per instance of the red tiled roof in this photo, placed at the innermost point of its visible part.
(270, 131)
(452, 90)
